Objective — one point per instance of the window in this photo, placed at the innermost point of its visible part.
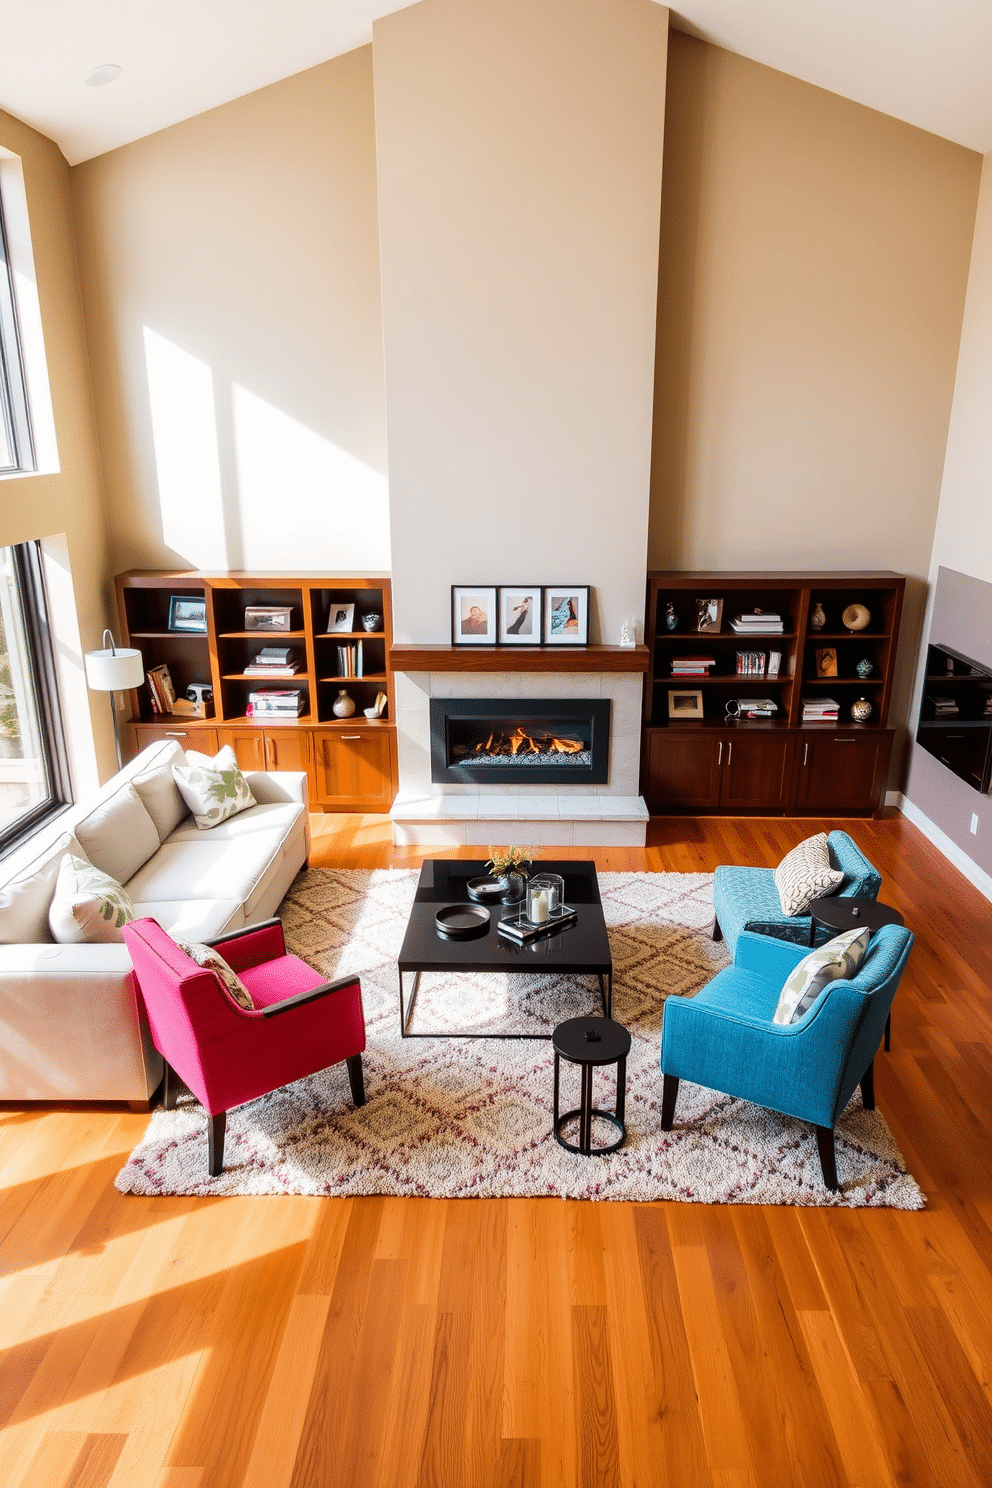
(34, 776)
(16, 447)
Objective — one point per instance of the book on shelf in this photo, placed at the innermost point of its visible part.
(945, 707)
(163, 693)
(757, 625)
(750, 663)
(351, 660)
(273, 661)
(820, 709)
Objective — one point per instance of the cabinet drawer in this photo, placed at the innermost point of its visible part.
(353, 768)
(204, 740)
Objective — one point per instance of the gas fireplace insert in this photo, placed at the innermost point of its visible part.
(530, 741)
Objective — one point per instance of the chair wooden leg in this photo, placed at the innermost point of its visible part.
(888, 1033)
(716, 933)
(828, 1165)
(357, 1078)
(216, 1127)
(669, 1095)
(170, 1088)
(868, 1088)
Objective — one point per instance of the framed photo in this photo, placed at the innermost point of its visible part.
(709, 614)
(566, 615)
(340, 617)
(268, 617)
(473, 615)
(685, 702)
(519, 616)
(188, 613)
(826, 661)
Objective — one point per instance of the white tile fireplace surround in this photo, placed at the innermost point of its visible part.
(425, 812)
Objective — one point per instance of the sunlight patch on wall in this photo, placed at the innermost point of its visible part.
(187, 461)
(304, 501)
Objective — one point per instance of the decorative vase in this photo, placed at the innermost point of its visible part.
(671, 619)
(513, 885)
(372, 621)
(862, 710)
(817, 619)
(864, 668)
(344, 706)
(856, 617)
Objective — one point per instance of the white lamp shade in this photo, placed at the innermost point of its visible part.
(114, 671)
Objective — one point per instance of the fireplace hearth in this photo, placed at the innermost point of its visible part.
(533, 741)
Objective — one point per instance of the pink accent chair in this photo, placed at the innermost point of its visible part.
(226, 1055)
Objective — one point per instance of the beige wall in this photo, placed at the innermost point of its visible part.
(230, 274)
(520, 157)
(65, 504)
(813, 269)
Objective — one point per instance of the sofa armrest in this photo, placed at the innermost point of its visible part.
(269, 786)
(315, 993)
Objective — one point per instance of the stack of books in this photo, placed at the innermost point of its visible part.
(162, 691)
(750, 663)
(944, 707)
(820, 710)
(692, 666)
(351, 663)
(759, 622)
(277, 704)
(273, 661)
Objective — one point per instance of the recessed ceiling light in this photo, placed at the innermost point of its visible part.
(109, 72)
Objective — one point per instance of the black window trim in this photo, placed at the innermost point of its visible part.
(31, 583)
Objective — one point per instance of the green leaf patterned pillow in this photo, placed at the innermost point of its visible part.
(838, 960)
(213, 789)
(88, 905)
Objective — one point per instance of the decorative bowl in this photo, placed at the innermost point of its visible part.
(856, 617)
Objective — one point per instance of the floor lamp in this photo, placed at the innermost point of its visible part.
(114, 670)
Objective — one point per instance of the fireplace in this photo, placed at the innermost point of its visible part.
(520, 741)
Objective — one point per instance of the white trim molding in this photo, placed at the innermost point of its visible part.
(943, 843)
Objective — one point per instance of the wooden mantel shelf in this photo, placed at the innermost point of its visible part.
(448, 658)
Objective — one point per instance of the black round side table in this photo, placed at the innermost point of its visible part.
(854, 913)
(589, 1042)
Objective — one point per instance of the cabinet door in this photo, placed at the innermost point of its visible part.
(249, 749)
(843, 771)
(756, 770)
(288, 750)
(682, 768)
(353, 768)
(203, 740)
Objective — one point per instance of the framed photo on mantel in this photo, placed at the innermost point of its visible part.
(519, 616)
(473, 615)
(566, 615)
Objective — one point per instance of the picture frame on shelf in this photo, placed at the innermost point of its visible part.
(709, 614)
(685, 702)
(188, 613)
(519, 610)
(826, 661)
(340, 618)
(566, 615)
(269, 617)
(473, 615)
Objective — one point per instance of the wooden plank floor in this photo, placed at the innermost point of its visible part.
(387, 1343)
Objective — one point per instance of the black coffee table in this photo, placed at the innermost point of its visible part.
(578, 949)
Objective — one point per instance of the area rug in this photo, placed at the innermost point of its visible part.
(463, 1118)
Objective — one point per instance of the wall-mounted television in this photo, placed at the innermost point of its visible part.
(955, 723)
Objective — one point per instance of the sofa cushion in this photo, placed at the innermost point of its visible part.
(88, 905)
(213, 788)
(210, 866)
(804, 874)
(160, 795)
(26, 899)
(839, 959)
(118, 835)
(212, 960)
(192, 919)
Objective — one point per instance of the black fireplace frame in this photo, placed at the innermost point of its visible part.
(445, 711)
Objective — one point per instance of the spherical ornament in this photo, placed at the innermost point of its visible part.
(343, 706)
(856, 617)
(864, 667)
(817, 617)
(862, 710)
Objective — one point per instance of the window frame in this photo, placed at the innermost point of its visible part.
(30, 577)
(15, 413)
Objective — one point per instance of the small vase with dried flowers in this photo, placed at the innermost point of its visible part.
(510, 866)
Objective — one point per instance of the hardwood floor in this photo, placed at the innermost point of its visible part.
(380, 1343)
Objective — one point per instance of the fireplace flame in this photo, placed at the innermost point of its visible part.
(520, 742)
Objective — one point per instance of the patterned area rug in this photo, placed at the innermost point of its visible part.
(452, 1118)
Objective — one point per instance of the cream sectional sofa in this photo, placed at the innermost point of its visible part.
(70, 1026)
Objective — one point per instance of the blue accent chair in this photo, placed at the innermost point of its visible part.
(747, 899)
(724, 1037)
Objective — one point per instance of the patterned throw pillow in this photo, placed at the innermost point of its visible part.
(88, 905)
(213, 789)
(805, 874)
(838, 959)
(212, 960)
